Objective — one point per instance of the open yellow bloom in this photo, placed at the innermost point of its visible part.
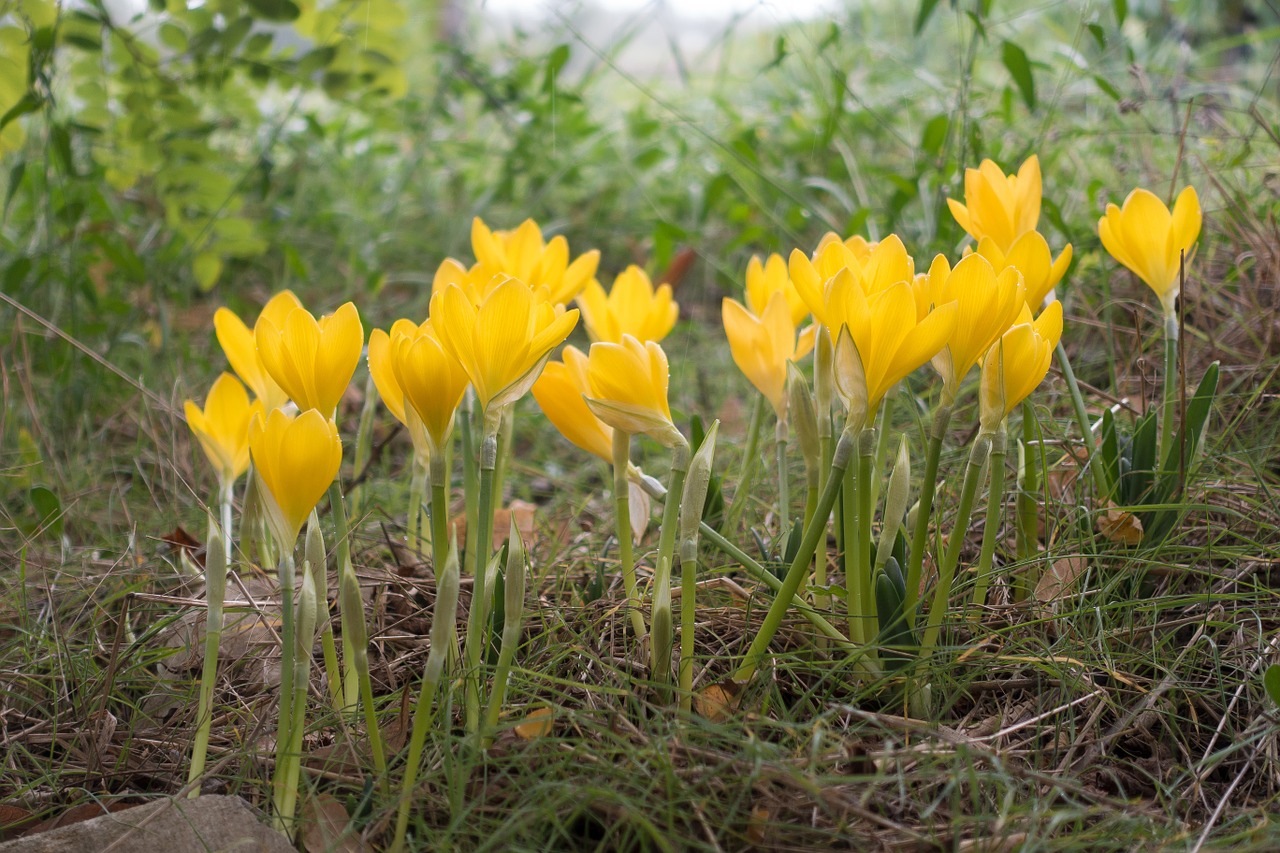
(1148, 239)
(522, 254)
(295, 458)
(503, 342)
(432, 381)
(313, 361)
(241, 349)
(770, 277)
(1030, 255)
(560, 394)
(388, 385)
(1017, 363)
(885, 339)
(884, 265)
(762, 346)
(628, 382)
(633, 308)
(222, 427)
(1002, 207)
(987, 304)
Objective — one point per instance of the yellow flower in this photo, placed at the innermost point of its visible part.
(503, 342)
(1030, 255)
(1002, 207)
(384, 376)
(633, 308)
(242, 351)
(313, 361)
(762, 346)
(522, 254)
(885, 339)
(559, 392)
(768, 278)
(628, 382)
(433, 381)
(1148, 239)
(1017, 363)
(296, 458)
(986, 306)
(884, 265)
(223, 427)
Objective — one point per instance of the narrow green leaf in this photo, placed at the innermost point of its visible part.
(1015, 59)
(922, 17)
(48, 510)
(275, 10)
(15, 180)
(1121, 8)
(935, 134)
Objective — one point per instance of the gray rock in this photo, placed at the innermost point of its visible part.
(207, 824)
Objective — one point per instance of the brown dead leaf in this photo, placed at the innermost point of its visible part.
(536, 724)
(716, 702)
(1119, 526)
(1061, 483)
(180, 540)
(641, 509)
(678, 268)
(758, 824)
(327, 827)
(79, 814)
(523, 514)
(1059, 579)
(13, 819)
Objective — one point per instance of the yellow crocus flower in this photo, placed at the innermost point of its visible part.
(1002, 207)
(1030, 255)
(1017, 363)
(987, 304)
(312, 360)
(523, 255)
(296, 458)
(238, 343)
(628, 382)
(633, 307)
(560, 394)
(432, 381)
(762, 346)
(503, 342)
(222, 427)
(1148, 239)
(385, 380)
(884, 265)
(770, 277)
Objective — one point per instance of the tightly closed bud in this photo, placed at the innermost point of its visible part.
(803, 421)
(895, 502)
(694, 498)
(313, 552)
(308, 606)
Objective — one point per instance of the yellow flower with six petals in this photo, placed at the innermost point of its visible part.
(222, 427)
(312, 360)
(560, 394)
(1150, 240)
(296, 458)
(628, 383)
(241, 349)
(1017, 363)
(633, 307)
(1002, 207)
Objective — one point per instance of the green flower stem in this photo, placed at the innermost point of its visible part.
(284, 721)
(438, 477)
(688, 593)
(350, 678)
(810, 504)
(1082, 421)
(1027, 530)
(512, 626)
(352, 603)
(868, 459)
(924, 513)
(442, 624)
(417, 491)
(784, 484)
(470, 477)
(315, 563)
(661, 635)
(364, 441)
(742, 494)
(228, 498)
(991, 525)
(947, 568)
(848, 514)
(882, 448)
(822, 601)
(622, 521)
(304, 639)
(215, 571)
(800, 565)
(505, 435)
(1169, 405)
(478, 542)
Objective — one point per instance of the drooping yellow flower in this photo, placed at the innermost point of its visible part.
(633, 308)
(241, 349)
(312, 360)
(1017, 363)
(1030, 255)
(560, 394)
(522, 254)
(1002, 207)
(432, 381)
(1148, 239)
(222, 427)
(384, 378)
(887, 337)
(296, 458)
(628, 382)
(502, 343)
(885, 265)
(987, 304)
(762, 346)
(770, 277)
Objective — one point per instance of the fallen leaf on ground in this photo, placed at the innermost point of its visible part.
(1060, 578)
(1119, 526)
(327, 827)
(715, 702)
(536, 724)
(522, 512)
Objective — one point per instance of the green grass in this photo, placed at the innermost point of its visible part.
(1129, 714)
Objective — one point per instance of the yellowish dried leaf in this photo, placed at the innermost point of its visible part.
(1059, 579)
(522, 513)
(537, 723)
(715, 702)
(327, 827)
(1119, 526)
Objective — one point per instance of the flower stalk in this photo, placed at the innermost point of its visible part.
(478, 617)
(215, 570)
(928, 489)
(512, 624)
(622, 528)
(661, 636)
(991, 525)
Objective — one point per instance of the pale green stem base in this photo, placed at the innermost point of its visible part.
(867, 460)
(285, 719)
(215, 570)
(924, 514)
(1169, 405)
(622, 527)
(479, 539)
(746, 473)
(661, 634)
(991, 525)
(688, 602)
(1083, 423)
